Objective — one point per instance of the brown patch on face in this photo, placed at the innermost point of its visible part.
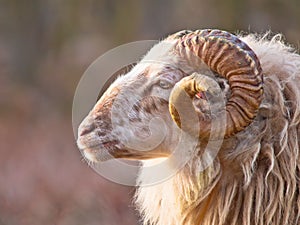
(104, 106)
(99, 117)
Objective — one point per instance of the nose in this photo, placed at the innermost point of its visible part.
(86, 126)
(85, 129)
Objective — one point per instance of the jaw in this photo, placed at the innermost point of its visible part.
(95, 155)
(104, 155)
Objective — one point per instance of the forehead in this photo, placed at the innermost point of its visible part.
(144, 75)
(159, 62)
(141, 72)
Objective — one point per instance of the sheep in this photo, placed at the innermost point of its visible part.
(254, 177)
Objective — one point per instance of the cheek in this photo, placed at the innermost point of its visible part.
(140, 128)
(142, 132)
(149, 133)
(121, 132)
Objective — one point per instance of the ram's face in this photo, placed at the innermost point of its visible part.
(131, 120)
(135, 117)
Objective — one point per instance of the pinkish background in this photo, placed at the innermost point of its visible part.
(45, 47)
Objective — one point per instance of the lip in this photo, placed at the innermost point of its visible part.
(98, 152)
(84, 143)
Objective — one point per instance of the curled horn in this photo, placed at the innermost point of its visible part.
(232, 59)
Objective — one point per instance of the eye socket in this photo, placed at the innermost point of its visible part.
(165, 84)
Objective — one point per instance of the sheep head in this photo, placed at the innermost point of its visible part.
(135, 117)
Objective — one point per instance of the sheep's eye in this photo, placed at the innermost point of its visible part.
(165, 84)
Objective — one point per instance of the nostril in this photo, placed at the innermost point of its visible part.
(87, 129)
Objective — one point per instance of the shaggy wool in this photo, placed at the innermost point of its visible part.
(255, 179)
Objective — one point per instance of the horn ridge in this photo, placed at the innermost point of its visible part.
(227, 55)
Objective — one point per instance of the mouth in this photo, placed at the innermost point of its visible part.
(98, 152)
(108, 150)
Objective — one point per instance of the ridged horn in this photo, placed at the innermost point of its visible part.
(232, 59)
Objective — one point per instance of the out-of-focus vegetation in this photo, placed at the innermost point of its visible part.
(45, 46)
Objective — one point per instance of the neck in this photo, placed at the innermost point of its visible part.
(185, 197)
(264, 194)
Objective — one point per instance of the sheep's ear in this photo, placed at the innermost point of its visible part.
(113, 77)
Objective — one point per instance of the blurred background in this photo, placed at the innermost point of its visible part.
(45, 47)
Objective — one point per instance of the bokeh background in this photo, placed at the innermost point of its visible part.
(45, 47)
